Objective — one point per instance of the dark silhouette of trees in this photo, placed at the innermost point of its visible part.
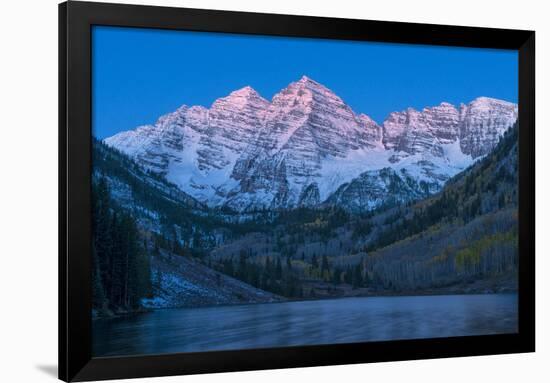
(121, 273)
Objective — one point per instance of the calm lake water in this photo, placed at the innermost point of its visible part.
(305, 323)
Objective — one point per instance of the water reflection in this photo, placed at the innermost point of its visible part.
(305, 323)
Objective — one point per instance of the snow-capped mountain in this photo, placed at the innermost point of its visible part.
(306, 147)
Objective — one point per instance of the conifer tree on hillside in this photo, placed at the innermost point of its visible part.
(121, 272)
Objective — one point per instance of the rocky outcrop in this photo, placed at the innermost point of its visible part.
(414, 132)
(376, 188)
(483, 121)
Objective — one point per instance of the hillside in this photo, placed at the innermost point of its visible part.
(461, 240)
(465, 233)
(148, 241)
(186, 282)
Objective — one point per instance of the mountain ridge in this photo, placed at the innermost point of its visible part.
(300, 148)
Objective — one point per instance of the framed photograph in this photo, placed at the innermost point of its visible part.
(245, 191)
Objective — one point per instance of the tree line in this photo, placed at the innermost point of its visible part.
(279, 276)
(121, 270)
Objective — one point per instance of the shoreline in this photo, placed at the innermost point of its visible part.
(377, 295)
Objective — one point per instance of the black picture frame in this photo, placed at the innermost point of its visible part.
(75, 262)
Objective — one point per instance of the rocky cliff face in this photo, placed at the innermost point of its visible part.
(478, 125)
(414, 132)
(483, 121)
(305, 125)
(306, 147)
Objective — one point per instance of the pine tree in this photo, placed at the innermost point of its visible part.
(241, 272)
(357, 277)
(121, 272)
(98, 299)
(278, 269)
(324, 265)
(336, 276)
(314, 263)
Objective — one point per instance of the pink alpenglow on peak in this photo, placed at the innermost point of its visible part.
(246, 92)
(300, 148)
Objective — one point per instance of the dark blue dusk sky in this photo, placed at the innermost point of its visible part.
(140, 74)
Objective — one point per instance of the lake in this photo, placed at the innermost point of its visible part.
(344, 320)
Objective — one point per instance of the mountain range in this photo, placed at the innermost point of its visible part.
(307, 147)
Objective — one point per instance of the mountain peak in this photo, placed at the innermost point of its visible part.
(246, 91)
(304, 78)
(309, 83)
(307, 89)
(483, 100)
(240, 98)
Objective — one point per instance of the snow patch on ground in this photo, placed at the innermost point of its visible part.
(184, 282)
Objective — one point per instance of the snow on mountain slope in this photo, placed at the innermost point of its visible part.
(305, 124)
(194, 147)
(306, 147)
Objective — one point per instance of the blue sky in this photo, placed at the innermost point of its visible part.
(140, 74)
